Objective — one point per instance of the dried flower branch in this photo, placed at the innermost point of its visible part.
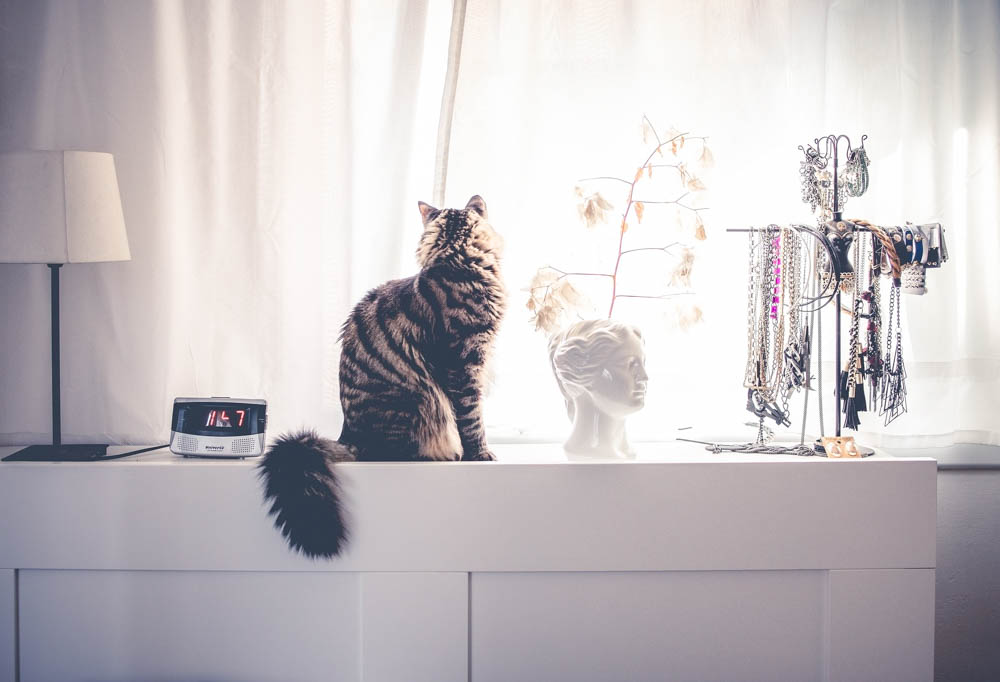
(553, 298)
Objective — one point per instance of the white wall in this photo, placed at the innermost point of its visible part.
(968, 562)
(968, 576)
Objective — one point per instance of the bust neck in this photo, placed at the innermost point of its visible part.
(595, 432)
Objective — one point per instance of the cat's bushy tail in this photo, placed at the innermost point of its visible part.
(304, 493)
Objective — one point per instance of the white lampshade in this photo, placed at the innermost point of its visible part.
(60, 207)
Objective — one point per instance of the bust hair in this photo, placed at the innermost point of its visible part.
(580, 352)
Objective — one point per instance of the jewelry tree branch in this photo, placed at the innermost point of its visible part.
(554, 300)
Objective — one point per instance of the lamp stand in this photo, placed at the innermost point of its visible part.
(56, 394)
(57, 452)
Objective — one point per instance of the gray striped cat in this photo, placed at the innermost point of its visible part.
(412, 369)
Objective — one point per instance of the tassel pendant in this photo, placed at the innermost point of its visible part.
(860, 404)
(848, 393)
(851, 420)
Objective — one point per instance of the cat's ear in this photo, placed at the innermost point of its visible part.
(477, 204)
(426, 211)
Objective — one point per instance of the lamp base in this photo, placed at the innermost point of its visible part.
(59, 453)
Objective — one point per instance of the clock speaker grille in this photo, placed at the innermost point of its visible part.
(187, 443)
(242, 446)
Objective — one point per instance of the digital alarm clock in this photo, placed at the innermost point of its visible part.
(218, 427)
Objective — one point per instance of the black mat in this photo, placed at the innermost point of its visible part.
(59, 453)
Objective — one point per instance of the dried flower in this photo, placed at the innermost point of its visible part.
(593, 208)
(695, 184)
(538, 288)
(688, 316)
(699, 230)
(544, 277)
(552, 299)
(689, 179)
(640, 208)
(681, 276)
(567, 294)
(683, 171)
(682, 316)
(546, 320)
(706, 160)
(673, 138)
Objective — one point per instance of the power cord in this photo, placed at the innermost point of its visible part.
(133, 452)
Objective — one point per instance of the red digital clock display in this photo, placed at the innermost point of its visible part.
(225, 419)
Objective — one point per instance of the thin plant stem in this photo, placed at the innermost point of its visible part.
(628, 207)
(563, 275)
(582, 274)
(606, 177)
(664, 249)
(653, 128)
(665, 201)
(661, 296)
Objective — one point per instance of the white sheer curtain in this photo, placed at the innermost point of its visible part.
(550, 92)
(270, 156)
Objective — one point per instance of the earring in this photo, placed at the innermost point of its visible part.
(841, 447)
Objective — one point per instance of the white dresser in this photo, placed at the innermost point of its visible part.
(681, 565)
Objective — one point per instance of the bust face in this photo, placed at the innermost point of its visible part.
(620, 388)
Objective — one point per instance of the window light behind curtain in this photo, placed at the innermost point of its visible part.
(270, 156)
(551, 92)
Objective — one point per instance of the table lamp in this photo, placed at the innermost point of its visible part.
(59, 207)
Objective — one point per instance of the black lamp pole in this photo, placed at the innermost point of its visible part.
(57, 452)
(56, 401)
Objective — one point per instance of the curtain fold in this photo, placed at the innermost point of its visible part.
(270, 156)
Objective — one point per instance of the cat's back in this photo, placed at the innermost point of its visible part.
(465, 300)
(380, 339)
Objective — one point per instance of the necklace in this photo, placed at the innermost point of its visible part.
(852, 381)
(796, 354)
(765, 321)
(777, 345)
(893, 393)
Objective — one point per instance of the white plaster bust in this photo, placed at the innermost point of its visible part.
(600, 366)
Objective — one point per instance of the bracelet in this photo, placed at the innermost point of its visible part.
(908, 243)
(919, 250)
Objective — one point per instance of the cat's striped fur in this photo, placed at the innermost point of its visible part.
(412, 369)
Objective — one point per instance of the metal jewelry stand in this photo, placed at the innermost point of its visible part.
(841, 230)
(838, 221)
